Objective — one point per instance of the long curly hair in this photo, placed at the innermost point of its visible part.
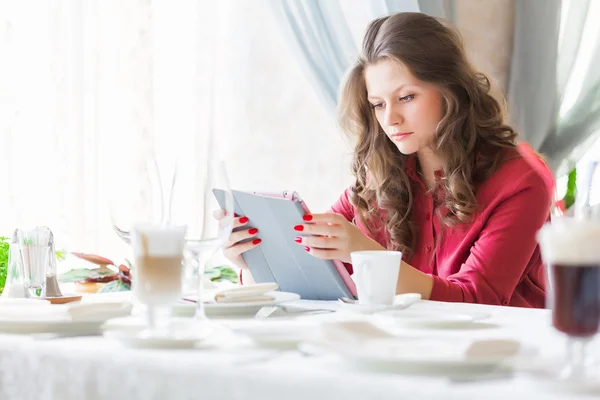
(471, 138)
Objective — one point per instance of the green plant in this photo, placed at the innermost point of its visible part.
(221, 273)
(569, 198)
(79, 274)
(115, 286)
(4, 247)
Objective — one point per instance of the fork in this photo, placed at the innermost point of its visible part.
(266, 311)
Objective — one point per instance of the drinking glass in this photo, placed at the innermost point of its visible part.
(570, 248)
(158, 252)
(198, 186)
(136, 196)
(34, 251)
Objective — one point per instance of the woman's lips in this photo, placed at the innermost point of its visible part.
(401, 135)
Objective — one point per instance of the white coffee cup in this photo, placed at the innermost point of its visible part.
(376, 275)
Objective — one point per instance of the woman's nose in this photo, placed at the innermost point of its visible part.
(392, 117)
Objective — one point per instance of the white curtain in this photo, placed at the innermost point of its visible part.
(76, 99)
(579, 114)
(326, 36)
(89, 88)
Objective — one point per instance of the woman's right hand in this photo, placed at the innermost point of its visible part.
(234, 249)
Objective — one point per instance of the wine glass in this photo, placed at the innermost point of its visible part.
(136, 196)
(570, 249)
(201, 188)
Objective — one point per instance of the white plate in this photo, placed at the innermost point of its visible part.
(415, 355)
(186, 308)
(136, 339)
(184, 333)
(275, 333)
(55, 322)
(50, 326)
(424, 318)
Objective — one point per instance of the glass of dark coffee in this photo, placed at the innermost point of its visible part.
(571, 249)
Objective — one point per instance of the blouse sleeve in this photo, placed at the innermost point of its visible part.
(500, 256)
(343, 207)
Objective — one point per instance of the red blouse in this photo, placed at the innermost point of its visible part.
(495, 259)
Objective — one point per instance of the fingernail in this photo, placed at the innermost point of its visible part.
(298, 240)
(253, 231)
(243, 220)
(307, 249)
(307, 218)
(299, 228)
(256, 241)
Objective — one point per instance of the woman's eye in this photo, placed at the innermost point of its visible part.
(407, 98)
(378, 105)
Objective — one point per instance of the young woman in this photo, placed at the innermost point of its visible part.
(438, 174)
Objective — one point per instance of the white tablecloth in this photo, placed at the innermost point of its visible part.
(96, 368)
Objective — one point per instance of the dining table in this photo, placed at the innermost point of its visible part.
(234, 366)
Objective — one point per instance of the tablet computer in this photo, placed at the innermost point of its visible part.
(278, 258)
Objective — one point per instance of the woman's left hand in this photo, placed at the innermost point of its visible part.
(335, 237)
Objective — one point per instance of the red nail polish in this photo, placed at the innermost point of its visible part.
(299, 228)
(256, 241)
(243, 220)
(253, 231)
(298, 240)
(307, 249)
(307, 218)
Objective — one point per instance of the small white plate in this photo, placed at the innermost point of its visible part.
(56, 319)
(183, 334)
(215, 310)
(416, 356)
(276, 333)
(137, 339)
(401, 301)
(424, 318)
(50, 326)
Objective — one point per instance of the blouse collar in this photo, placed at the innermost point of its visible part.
(411, 169)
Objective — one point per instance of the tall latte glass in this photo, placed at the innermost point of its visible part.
(571, 249)
(158, 252)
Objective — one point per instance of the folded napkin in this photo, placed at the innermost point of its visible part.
(367, 338)
(247, 293)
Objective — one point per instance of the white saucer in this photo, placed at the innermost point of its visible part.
(416, 356)
(184, 335)
(215, 310)
(47, 318)
(401, 301)
(424, 318)
(275, 333)
(50, 326)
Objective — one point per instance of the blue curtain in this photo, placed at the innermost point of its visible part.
(321, 38)
(322, 41)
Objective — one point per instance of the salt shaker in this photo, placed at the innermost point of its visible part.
(51, 289)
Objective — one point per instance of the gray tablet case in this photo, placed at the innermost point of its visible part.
(278, 258)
